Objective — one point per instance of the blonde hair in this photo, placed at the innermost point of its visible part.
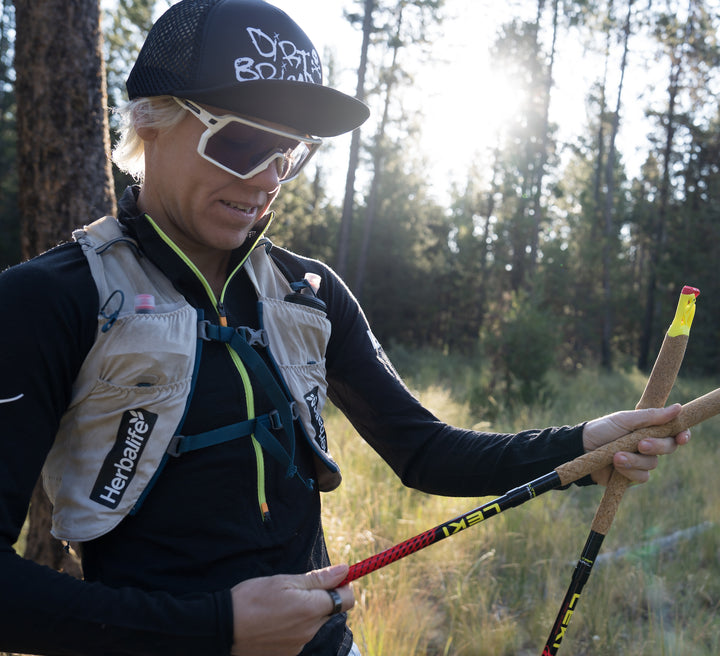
(157, 112)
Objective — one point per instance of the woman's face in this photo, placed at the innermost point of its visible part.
(205, 210)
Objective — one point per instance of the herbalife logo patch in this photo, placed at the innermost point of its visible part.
(312, 398)
(121, 463)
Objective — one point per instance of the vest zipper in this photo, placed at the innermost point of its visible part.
(247, 385)
(250, 406)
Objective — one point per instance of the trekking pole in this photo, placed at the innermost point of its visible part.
(657, 390)
(691, 414)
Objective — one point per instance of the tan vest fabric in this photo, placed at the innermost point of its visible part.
(132, 390)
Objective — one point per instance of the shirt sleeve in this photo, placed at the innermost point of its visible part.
(425, 452)
(50, 311)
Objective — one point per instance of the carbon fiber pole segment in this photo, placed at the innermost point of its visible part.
(513, 498)
(579, 578)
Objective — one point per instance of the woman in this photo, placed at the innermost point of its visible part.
(172, 389)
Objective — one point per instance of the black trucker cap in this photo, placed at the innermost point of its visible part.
(245, 56)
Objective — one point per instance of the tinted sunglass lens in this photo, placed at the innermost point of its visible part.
(242, 148)
(293, 161)
(233, 146)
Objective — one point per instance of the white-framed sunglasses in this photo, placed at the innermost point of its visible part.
(245, 148)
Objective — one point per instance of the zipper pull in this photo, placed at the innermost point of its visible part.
(221, 313)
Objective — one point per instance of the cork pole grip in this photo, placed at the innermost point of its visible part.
(657, 389)
(691, 414)
(664, 372)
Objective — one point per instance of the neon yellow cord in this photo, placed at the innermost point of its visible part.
(247, 385)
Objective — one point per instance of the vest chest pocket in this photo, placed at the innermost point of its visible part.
(298, 335)
(298, 338)
(146, 350)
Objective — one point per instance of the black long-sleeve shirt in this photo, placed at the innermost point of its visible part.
(160, 582)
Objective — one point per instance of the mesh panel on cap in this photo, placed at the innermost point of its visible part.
(169, 58)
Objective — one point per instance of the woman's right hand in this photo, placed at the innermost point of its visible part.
(278, 615)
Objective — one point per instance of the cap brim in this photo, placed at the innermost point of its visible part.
(310, 108)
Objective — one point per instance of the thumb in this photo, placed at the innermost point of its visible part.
(325, 579)
(653, 416)
(605, 429)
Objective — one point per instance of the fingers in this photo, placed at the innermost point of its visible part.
(610, 427)
(661, 446)
(637, 466)
(277, 615)
(326, 580)
(682, 438)
(658, 416)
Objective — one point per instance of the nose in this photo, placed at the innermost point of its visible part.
(268, 179)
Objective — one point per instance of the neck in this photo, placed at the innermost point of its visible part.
(215, 280)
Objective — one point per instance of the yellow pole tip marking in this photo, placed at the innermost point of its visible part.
(685, 312)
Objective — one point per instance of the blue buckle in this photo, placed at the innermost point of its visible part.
(254, 337)
(174, 446)
(274, 416)
(203, 330)
(275, 421)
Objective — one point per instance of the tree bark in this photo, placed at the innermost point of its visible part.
(659, 234)
(371, 211)
(608, 228)
(341, 262)
(543, 155)
(63, 138)
(64, 171)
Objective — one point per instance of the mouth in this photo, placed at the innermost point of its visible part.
(247, 210)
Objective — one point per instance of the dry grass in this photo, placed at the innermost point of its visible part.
(495, 589)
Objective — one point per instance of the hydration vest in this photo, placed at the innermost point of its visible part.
(131, 395)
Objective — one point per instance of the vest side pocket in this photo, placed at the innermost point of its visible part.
(129, 400)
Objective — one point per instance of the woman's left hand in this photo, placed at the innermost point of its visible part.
(635, 466)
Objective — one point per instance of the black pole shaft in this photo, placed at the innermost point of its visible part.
(580, 576)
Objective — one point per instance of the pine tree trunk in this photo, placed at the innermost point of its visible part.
(608, 210)
(371, 211)
(659, 235)
(64, 173)
(343, 253)
(63, 139)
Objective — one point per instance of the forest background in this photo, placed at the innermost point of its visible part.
(545, 253)
(551, 257)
